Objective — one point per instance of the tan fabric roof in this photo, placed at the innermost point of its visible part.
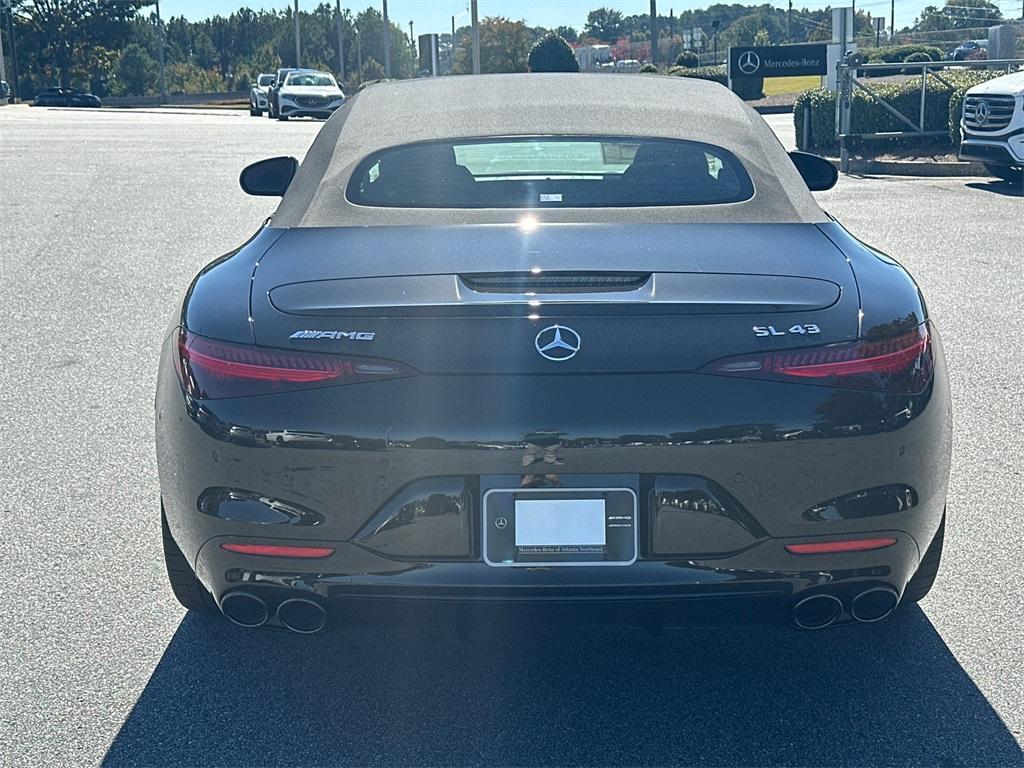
(400, 112)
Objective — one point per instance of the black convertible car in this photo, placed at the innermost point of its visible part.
(562, 340)
(65, 97)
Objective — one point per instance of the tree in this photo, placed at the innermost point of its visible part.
(959, 14)
(504, 47)
(604, 24)
(370, 24)
(65, 33)
(569, 34)
(745, 29)
(371, 71)
(136, 71)
(762, 38)
(552, 54)
(688, 59)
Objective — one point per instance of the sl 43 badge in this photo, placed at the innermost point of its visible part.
(770, 330)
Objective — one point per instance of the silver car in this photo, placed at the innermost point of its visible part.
(258, 94)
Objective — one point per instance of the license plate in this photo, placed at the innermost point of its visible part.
(535, 527)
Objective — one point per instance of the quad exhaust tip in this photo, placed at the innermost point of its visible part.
(817, 611)
(302, 615)
(245, 609)
(874, 604)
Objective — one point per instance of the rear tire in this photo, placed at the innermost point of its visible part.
(283, 118)
(253, 112)
(923, 580)
(186, 587)
(1006, 173)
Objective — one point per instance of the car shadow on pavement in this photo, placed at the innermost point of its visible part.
(999, 187)
(513, 694)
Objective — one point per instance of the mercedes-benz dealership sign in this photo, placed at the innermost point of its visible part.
(777, 60)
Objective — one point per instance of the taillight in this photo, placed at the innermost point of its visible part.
(214, 369)
(901, 363)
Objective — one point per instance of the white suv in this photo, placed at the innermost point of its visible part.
(306, 93)
(993, 126)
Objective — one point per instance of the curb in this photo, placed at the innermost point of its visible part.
(913, 168)
(775, 109)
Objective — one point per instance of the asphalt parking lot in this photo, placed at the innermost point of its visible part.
(105, 217)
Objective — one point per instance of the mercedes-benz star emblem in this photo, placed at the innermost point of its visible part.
(500, 523)
(558, 343)
(981, 112)
(749, 62)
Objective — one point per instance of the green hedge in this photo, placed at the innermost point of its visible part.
(942, 108)
(748, 88)
(899, 53)
(823, 118)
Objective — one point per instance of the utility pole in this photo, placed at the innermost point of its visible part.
(341, 46)
(789, 23)
(15, 87)
(892, 23)
(163, 67)
(453, 31)
(654, 31)
(387, 42)
(359, 49)
(3, 70)
(298, 45)
(475, 21)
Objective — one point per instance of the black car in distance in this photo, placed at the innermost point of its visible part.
(530, 350)
(65, 97)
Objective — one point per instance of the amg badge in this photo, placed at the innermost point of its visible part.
(351, 335)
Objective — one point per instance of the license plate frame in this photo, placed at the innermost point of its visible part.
(500, 525)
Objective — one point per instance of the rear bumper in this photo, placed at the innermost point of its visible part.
(764, 571)
(337, 457)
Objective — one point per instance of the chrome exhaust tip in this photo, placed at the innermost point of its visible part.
(817, 611)
(245, 609)
(302, 615)
(874, 604)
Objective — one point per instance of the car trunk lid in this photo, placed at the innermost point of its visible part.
(477, 299)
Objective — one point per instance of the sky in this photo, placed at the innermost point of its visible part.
(435, 15)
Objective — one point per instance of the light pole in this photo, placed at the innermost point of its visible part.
(15, 87)
(298, 45)
(341, 47)
(163, 66)
(654, 31)
(3, 69)
(387, 41)
(475, 20)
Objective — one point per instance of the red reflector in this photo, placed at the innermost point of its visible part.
(827, 547)
(271, 550)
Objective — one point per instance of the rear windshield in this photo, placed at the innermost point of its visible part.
(266, 79)
(550, 172)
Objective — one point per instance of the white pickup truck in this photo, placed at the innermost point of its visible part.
(993, 126)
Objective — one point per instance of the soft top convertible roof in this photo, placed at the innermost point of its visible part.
(430, 109)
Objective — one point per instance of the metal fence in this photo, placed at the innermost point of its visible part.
(851, 79)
